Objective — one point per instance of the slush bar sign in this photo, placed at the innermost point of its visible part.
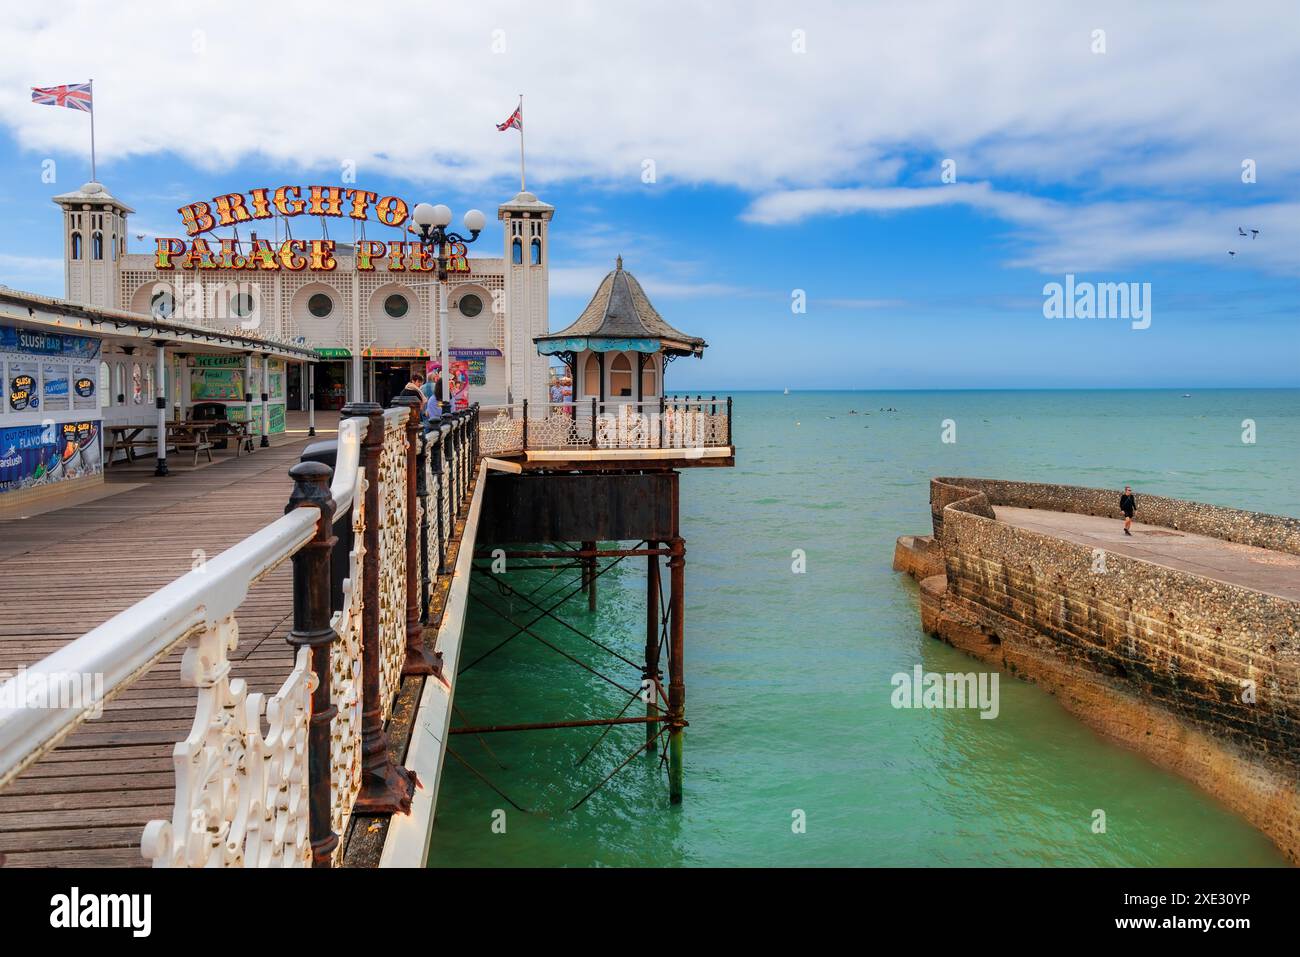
(296, 255)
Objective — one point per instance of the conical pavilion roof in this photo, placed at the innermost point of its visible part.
(619, 317)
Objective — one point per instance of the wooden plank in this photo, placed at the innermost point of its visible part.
(86, 802)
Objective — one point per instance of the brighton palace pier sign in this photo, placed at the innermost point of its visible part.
(296, 255)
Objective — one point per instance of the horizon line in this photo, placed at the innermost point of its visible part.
(1104, 388)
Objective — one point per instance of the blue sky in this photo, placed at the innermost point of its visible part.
(777, 169)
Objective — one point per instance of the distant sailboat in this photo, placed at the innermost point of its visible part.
(787, 391)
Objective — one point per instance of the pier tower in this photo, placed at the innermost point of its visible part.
(525, 222)
(94, 242)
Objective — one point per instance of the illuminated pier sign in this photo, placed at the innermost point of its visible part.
(296, 255)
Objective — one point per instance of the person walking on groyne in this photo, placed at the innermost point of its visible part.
(1128, 505)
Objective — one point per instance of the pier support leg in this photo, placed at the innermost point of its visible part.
(650, 676)
(590, 563)
(676, 670)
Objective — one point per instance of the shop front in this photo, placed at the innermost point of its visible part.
(84, 387)
(388, 369)
(332, 378)
(50, 423)
(230, 381)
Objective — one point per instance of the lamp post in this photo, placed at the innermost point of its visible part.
(432, 223)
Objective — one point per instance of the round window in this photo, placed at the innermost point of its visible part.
(241, 304)
(470, 305)
(162, 305)
(396, 306)
(320, 305)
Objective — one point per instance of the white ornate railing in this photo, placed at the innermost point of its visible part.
(392, 555)
(668, 423)
(243, 796)
(349, 493)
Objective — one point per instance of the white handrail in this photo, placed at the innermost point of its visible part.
(131, 642)
(347, 462)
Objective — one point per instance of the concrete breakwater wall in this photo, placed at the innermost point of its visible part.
(1201, 676)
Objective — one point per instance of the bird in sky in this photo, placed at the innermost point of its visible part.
(1254, 233)
(1240, 231)
(1232, 252)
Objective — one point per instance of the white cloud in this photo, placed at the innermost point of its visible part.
(711, 93)
(582, 281)
(714, 94)
(30, 267)
(1055, 236)
(797, 204)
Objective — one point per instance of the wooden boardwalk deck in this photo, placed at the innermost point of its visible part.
(66, 571)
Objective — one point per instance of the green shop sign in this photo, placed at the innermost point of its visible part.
(218, 362)
(334, 353)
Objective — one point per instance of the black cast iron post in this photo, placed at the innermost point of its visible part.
(418, 660)
(311, 629)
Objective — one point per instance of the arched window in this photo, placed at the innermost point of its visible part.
(97, 246)
(105, 385)
(620, 376)
(591, 376)
(537, 252)
(148, 383)
(516, 252)
(76, 245)
(648, 386)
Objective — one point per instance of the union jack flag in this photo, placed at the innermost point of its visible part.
(516, 120)
(75, 96)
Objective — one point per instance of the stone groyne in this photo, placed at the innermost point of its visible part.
(1200, 675)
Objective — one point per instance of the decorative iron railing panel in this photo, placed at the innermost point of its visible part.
(669, 423)
(392, 555)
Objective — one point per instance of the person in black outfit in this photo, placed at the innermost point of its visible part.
(413, 387)
(1128, 505)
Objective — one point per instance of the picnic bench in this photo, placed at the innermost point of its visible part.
(191, 436)
(181, 436)
(126, 438)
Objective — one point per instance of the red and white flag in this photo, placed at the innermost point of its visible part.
(516, 120)
(75, 96)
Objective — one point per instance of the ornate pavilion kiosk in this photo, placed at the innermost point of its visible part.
(617, 349)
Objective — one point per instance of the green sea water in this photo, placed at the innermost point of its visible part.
(788, 675)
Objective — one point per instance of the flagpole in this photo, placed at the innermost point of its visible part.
(92, 132)
(522, 187)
